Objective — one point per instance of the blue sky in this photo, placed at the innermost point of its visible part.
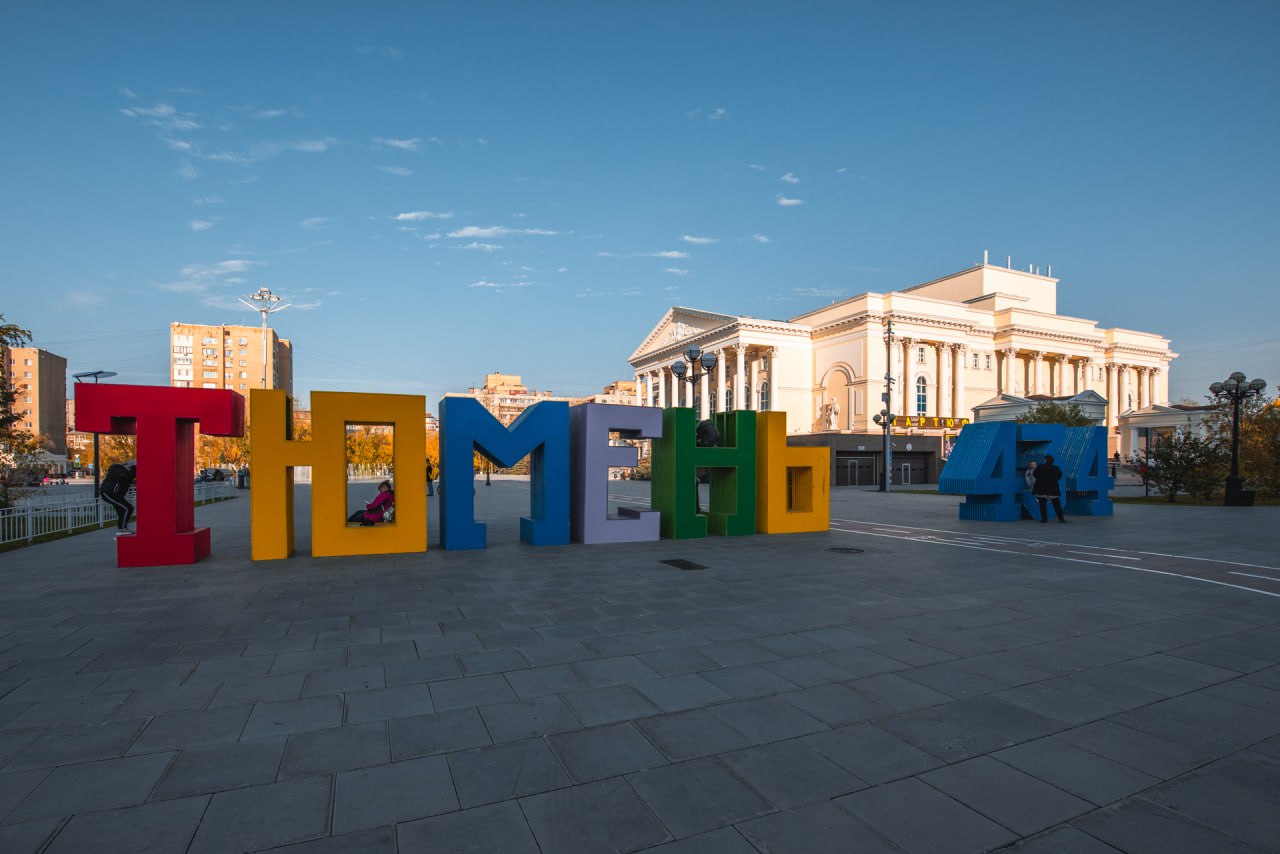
(448, 189)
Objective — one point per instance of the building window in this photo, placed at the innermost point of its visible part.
(243, 363)
(207, 341)
(728, 399)
(210, 375)
(242, 385)
(26, 361)
(975, 360)
(919, 355)
(764, 396)
(244, 375)
(244, 341)
(988, 358)
(244, 352)
(922, 396)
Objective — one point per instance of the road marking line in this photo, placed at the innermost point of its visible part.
(1095, 554)
(1251, 575)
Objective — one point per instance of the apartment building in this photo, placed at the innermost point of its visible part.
(39, 380)
(228, 356)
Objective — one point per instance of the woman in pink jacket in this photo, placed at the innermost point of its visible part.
(376, 509)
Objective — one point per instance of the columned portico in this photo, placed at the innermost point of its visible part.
(1060, 376)
(1010, 370)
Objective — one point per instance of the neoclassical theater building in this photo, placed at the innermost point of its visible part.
(956, 342)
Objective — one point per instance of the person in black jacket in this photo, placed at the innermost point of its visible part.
(115, 491)
(1048, 479)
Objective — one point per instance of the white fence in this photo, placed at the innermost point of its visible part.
(29, 522)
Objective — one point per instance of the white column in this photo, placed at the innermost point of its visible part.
(959, 407)
(755, 384)
(1010, 377)
(662, 389)
(1153, 394)
(942, 407)
(1037, 373)
(1123, 402)
(1060, 380)
(677, 399)
(740, 379)
(639, 390)
(704, 395)
(1113, 400)
(774, 405)
(904, 383)
(720, 372)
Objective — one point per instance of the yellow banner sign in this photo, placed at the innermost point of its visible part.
(929, 421)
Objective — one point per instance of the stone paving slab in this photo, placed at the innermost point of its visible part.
(914, 696)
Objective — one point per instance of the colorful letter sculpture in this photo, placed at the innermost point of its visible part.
(793, 490)
(164, 421)
(275, 454)
(541, 432)
(676, 460)
(989, 462)
(590, 425)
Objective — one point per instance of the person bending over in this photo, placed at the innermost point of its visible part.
(376, 510)
(115, 491)
(1048, 487)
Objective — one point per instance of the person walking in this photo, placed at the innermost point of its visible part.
(431, 476)
(115, 491)
(1048, 486)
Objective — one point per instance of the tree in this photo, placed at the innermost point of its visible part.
(1051, 412)
(1259, 440)
(17, 447)
(116, 448)
(1185, 463)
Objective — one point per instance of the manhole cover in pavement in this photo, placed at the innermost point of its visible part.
(681, 563)
(845, 550)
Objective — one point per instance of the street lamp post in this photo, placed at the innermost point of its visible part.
(1235, 389)
(266, 305)
(97, 375)
(885, 418)
(700, 364)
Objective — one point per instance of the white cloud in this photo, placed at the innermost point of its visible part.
(314, 221)
(818, 292)
(498, 286)
(159, 111)
(418, 216)
(201, 224)
(699, 241)
(842, 170)
(717, 114)
(499, 231)
(214, 199)
(481, 247)
(268, 114)
(670, 253)
(562, 269)
(176, 144)
(201, 278)
(414, 144)
(790, 178)
(402, 171)
(760, 238)
(756, 166)
(385, 51)
(266, 150)
(187, 171)
(676, 271)
(788, 202)
(127, 92)
(82, 299)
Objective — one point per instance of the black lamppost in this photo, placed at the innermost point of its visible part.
(1235, 389)
(97, 375)
(885, 418)
(700, 364)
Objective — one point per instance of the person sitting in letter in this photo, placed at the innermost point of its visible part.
(376, 509)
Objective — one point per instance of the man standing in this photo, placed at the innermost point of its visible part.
(115, 491)
(1048, 479)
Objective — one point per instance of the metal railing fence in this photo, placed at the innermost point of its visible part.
(29, 522)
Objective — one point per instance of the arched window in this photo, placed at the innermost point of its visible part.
(764, 396)
(746, 391)
(728, 399)
(922, 396)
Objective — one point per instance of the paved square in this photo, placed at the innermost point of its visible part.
(1109, 684)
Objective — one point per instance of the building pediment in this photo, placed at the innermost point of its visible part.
(676, 325)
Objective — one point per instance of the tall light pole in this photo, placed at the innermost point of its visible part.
(266, 305)
(1235, 389)
(97, 375)
(885, 418)
(702, 365)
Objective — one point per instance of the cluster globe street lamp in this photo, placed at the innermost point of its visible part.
(1236, 389)
(700, 365)
(885, 420)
